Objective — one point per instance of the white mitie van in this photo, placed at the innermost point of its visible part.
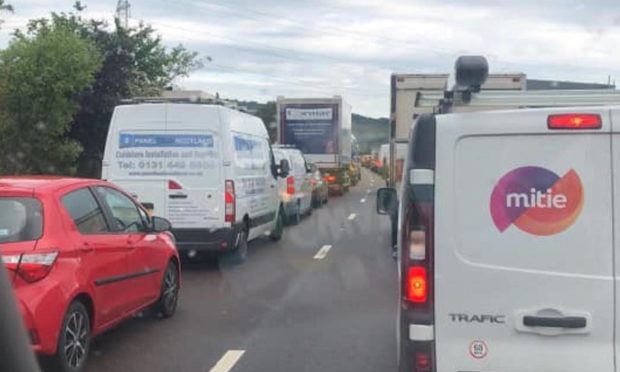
(206, 168)
(508, 253)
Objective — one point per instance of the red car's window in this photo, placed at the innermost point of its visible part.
(85, 211)
(21, 219)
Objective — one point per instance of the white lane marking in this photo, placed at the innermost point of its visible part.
(352, 216)
(368, 191)
(363, 200)
(228, 361)
(322, 252)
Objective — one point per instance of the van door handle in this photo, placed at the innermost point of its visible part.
(570, 322)
(178, 196)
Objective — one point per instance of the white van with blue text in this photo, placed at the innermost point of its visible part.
(208, 169)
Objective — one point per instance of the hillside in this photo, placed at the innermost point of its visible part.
(370, 132)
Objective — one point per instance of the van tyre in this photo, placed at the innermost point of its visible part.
(169, 293)
(278, 231)
(296, 217)
(73, 341)
(240, 253)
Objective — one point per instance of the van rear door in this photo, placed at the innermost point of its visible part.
(129, 160)
(195, 196)
(523, 243)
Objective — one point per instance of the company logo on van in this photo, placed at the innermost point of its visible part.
(537, 201)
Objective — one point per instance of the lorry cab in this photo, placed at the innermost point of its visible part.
(507, 243)
(206, 168)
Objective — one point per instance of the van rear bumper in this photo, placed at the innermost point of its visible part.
(207, 240)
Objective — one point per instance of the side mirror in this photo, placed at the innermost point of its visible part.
(160, 224)
(387, 201)
(284, 168)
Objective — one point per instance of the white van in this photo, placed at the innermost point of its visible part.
(296, 189)
(508, 258)
(208, 169)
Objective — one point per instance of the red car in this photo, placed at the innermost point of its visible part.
(82, 256)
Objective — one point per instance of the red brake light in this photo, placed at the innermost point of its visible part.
(290, 185)
(31, 267)
(417, 284)
(173, 185)
(229, 202)
(574, 121)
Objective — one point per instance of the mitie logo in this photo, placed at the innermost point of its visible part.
(536, 200)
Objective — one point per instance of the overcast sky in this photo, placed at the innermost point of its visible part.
(263, 49)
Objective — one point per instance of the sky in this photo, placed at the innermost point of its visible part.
(259, 50)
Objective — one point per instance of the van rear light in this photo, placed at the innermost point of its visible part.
(574, 121)
(423, 362)
(330, 178)
(417, 245)
(173, 185)
(31, 267)
(417, 284)
(290, 185)
(229, 201)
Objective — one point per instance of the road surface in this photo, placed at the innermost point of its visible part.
(322, 299)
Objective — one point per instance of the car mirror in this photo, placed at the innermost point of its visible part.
(387, 201)
(160, 224)
(284, 168)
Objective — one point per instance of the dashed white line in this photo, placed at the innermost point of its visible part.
(322, 252)
(363, 200)
(368, 191)
(228, 361)
(352, 216)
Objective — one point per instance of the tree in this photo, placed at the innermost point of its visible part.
(136, 63)
(267, 113)
(40, 75)
(4, 7)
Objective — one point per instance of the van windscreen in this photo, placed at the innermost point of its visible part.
(21, 219)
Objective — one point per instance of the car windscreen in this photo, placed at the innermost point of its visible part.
(21, 219)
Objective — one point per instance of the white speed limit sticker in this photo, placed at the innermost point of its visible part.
(478, 349)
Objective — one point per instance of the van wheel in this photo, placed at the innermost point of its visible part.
(277, 233)
(240, 253)
(169, 293)
(73, 341)
(296, 217)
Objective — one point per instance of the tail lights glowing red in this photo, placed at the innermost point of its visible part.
(423, 362)
(417, 284)
(574, 121)
(229, 201)
(330, 178)
(290, 185)
(173, 185)
(30, 267)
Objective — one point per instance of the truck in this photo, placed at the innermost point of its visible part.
(321, 129)
(407, 93)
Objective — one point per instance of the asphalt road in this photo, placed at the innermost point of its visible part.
(322, 299)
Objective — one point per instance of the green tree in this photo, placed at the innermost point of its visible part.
(41, 74)
(267, 113)
(136, 63)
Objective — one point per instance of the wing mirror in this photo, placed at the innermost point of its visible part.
(387, 201)
(284, 168)
(160, 224)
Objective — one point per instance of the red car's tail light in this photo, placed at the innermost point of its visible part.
(31, 267)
